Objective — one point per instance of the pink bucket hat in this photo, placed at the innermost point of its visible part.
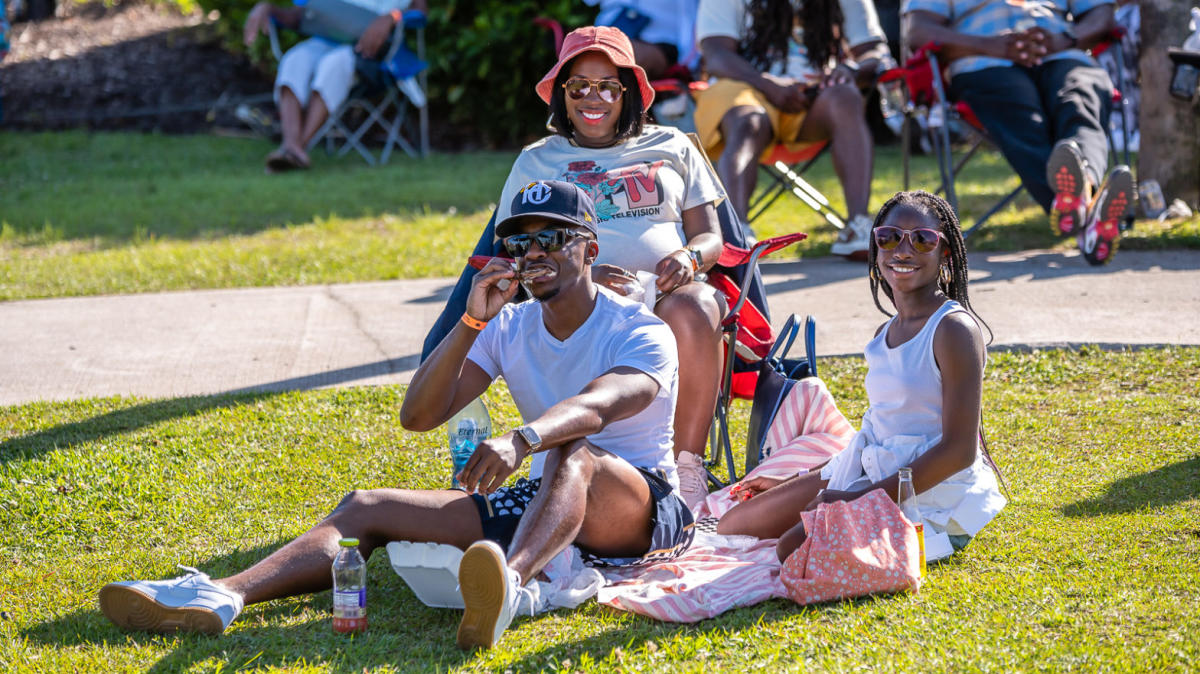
(608, 41)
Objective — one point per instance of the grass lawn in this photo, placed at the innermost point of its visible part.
(1094, 565)
(84, 214)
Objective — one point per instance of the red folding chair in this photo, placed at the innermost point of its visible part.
(925, 93)
(747, 337)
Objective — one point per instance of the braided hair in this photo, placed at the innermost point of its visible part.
(954, 287)
(766, 42)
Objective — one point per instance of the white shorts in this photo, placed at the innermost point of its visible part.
(317, 65)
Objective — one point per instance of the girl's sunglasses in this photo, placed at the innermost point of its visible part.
(608, 90)
(549, 240)
(923, 240)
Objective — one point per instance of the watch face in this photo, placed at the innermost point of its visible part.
(531, 437)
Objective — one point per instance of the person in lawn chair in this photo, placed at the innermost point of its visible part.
(315, 76)
(784, 77)
(594, 377)
(1044, 101)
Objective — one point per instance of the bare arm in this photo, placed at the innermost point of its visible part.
(1090, 29)
(923, 27)
(262, 14)
(700, 231)
(447, 381)
(959, 351)
(617, 394)
(722, 60)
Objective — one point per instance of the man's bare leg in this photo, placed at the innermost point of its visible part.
(314, 117)
(589, 497)
(291, 119)
(374, 517)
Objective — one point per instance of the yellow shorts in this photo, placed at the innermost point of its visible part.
(725, 95)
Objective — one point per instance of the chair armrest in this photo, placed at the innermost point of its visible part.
(273, 35)
(410, 18)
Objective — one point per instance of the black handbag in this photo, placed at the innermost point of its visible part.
(776, 375)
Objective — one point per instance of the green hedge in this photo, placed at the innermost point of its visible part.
(485, 57)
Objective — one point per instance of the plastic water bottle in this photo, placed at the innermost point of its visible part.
(349, 588)
(906, 497)
(892, 105)
(471, 426)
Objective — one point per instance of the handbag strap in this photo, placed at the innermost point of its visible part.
(786, 337)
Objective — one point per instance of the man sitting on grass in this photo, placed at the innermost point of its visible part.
(594, 377)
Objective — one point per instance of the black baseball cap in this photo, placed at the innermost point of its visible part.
(550, 200)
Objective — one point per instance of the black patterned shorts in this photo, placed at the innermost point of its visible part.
(672, 533)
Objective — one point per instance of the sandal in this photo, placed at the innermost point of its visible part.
(284, 160)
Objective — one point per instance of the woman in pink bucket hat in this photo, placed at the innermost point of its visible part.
(655, 199)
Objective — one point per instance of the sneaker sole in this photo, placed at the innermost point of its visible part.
(481, 580)
(1114, 203)
(130, 609)
(1064, 172)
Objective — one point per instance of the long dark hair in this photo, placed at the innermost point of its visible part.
(629, 124)
(930, 204)
(771, 28)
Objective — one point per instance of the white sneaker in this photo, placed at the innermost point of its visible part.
(491, 593)
(191, 603)
(853, 240)
(693, 480)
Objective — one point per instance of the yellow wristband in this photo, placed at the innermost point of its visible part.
(472, 323)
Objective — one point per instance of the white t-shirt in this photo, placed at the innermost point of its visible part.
(542, 371)
(670, 21)
(729, 18)
(641, 188)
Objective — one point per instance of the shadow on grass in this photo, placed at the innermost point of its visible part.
(404, 633)
(139, 416)
(1164, 486)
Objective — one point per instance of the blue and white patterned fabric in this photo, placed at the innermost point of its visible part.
(996, 17)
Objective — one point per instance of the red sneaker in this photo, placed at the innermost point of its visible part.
(1066, 175)
(1098, 238)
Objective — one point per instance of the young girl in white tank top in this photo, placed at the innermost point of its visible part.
(924, 385)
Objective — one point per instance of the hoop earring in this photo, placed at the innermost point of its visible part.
(945, 275)
(873, 273)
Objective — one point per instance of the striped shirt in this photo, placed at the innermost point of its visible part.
(997, 17)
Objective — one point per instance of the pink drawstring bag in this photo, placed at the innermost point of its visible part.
(852, 549)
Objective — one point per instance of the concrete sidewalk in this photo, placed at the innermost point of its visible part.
(175, 344)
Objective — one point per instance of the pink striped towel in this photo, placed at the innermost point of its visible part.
(720, 573)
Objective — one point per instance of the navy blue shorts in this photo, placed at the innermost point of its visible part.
(672, 533)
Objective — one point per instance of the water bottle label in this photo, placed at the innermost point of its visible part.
(350, 603)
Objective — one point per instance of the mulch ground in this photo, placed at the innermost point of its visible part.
(128, 66)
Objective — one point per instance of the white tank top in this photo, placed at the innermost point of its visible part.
(904, 384)
(904, 420)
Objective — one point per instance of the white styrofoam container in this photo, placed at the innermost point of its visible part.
(430, 569)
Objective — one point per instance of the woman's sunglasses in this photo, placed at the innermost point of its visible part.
(923, 240)
(549, 240)
(608, 90)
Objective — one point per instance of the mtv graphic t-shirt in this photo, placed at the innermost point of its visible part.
(641, 188)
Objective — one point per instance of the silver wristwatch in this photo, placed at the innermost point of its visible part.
(530, 437)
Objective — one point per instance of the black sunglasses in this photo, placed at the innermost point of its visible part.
(549, 240)
(923, 239)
